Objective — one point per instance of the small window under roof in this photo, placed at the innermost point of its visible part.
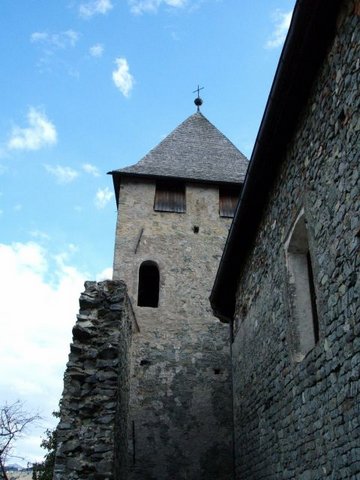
(228, 199)
(170, 197)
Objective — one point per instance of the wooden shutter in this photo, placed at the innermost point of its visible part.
(228, 199)
(170, 197)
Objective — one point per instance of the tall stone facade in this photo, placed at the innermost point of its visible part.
(180, 415)
(296, 354)
(180, 420)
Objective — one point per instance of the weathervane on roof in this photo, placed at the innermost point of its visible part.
(198, 101)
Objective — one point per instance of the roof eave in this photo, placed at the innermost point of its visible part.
(117, 174)
(312, 29)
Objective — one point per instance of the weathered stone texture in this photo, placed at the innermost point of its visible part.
(300, 420)
(180, 395)
(94, 405)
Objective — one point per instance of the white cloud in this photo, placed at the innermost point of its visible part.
(39, 37)
(38, 308)
(72, 37)
(103, 197)
(61, 40)
(122, 77)
(96, 50)
(52, 46)
(106, 274)
(142, 6)
(91, 169)
(40, 133)
(282, 22)
(95, 7)
(62, 174)
(39, 235)
(175, 3)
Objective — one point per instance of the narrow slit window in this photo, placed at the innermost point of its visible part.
(170, 197)
(302, 289)
(228, 199)
(313, 297)
(149, 285)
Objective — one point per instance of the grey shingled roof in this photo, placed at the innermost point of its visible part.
(195, 150)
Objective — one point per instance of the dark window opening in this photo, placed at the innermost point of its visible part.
(149, 280)
(228, 199)
(144, 362)
(342, 116)
(170, 197)
(195, 229)
(133, 442)
(313, 298)
(217, 371)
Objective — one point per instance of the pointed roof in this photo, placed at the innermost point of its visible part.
(195, 150)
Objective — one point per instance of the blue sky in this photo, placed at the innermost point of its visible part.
(89, 86)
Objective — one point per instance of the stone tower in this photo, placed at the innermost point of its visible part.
(174, 211)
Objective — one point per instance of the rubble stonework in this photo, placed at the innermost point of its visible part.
(299, 418)
(92, 430)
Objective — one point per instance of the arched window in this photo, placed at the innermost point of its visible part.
(302, 289)
(149, 283)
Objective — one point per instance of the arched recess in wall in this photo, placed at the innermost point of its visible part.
(148, 285)
(302, 288)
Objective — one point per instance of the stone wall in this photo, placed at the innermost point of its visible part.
(298, 418)
(93, 426)
(180, 421)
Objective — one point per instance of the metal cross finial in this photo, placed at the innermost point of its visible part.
(198, 101)
(198, 90)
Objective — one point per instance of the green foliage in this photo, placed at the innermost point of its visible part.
(45, 469)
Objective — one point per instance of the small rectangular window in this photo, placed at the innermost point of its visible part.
(170, 197)
(228, 199)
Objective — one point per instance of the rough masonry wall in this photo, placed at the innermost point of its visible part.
(300, 420)
(180, 421)
(93, 424)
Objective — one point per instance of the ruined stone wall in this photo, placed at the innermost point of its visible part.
(298, 418)
(93, 426)
(180, 421)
